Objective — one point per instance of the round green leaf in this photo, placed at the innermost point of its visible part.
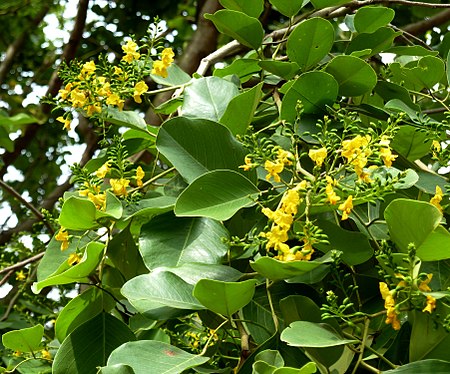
(253, 8)
(192, 272)
(315, 90)
(224, 297)
(158, 357)
(90, 345)
(436, 246)
(160, 295)
(208, 98)
(245, 29)
(355, 76)
(79, 310)
(370, 19)
(125, 118)
(78, 214)
(24, 340)
(313, 335)
(375, 42)
(310, 42)
(289, 8)
(411, 221)
(274, 269)
(244, 68)
(283, 69)
(172, 241)
(149, 207)
(196, 146)
(218, 194)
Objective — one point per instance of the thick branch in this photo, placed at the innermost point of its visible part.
(53, 87)
(18, 44)
(421, 27)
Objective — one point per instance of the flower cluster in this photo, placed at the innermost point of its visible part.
(283, 218)
(274, 168)
(90, 88)
(437, 198)
(389, 305)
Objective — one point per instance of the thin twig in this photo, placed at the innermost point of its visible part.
(21, 264)
(30, 206)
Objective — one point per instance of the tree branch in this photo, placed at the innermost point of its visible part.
(17, 45)
(421, 27)
(53, 87)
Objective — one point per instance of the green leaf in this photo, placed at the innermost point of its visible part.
(421, 367)
(192, 272)
(377, 42)
(244, 68)
(125, 118)
(245, 29)
(404, 226)
(411, 50)
(159, 357)
(78, 214)
(411, 143)
(316, 90)
(117, 369)
(17, 120)
(354, 245)
(391, 91)
(310, 334)
(370, 19)
(274, 269)
(240, 111)
(79, 310)
(355, 76)
(90, 345)
(428, 181)
(218, 194)
(196, 146)
(253, 8)
(160, 295)
(289, 8)
(208, 98)
(169, 106)
(283, 69)
(436, 246)
(149, 207)
(225, 298)
(310, 42)
(24, 340)
(69, 274)
(271, 356)
(172, 241)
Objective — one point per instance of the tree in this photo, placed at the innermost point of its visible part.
(263, 187)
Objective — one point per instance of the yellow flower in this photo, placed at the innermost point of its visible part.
(103, 170)
(346, 207)
(285, 157)
(139, 89)
(117, 70)
(436, 145)
(94, 108)
(119, 186)
(130, 50)
(78, 98)
(431, 304)
(352, 147)
(114, 99)
(63, 237)
(140, 174)
(66, 122)
(318, 155)
(290, 202)
(167, 56)
(280, 218)
(46, 355)
(66, 91)
(104, 88)
(248, 164)
(437, 198)
(332, 197)
(389, 305)
(74, 259)
(385, 151)
(159, 68)
(423, 286)
(277, 237)
(88, 68)
(273, 168)
(20, 276)
(99, 200)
